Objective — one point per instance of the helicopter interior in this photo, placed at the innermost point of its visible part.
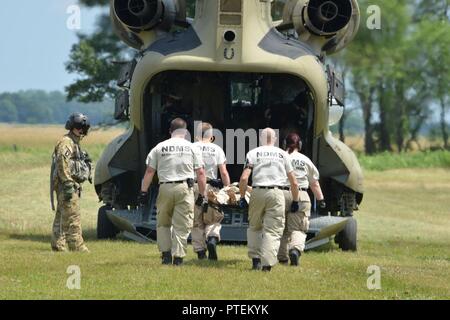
(230, 101)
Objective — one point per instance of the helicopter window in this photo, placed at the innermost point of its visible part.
(231, 5)
(245, 94)
(190, 8)
(277, 9)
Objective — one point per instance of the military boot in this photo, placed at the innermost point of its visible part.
(256, 264)
(201, 255)
(177, 261)
(294, 256)
(75, 248)
(58, 249)
(166, 257)
(212, 248)
(83, 248)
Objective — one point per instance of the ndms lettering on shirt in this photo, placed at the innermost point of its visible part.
(175, 159)
(304, 170)
(212, 156)
(270, 166)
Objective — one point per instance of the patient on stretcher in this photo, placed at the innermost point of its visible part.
(228, 196)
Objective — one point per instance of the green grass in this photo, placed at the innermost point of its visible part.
(23, 157)
(389, 161)
(404, 228)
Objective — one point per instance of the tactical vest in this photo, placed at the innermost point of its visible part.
(80, 166)
(80, 170)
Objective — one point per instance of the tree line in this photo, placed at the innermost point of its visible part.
(397, 76)
(41, 107)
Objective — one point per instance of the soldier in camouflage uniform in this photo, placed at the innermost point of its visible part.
(70, 168)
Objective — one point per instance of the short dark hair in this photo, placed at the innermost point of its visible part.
(177, 124)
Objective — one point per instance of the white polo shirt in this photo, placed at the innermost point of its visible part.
(270, 166)
(212, 156)
(175, 159)
(304, 170)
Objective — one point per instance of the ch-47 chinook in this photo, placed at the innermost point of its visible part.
(236, 64)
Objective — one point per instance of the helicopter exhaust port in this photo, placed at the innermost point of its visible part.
(139, 14)
(328, 11)
(329, 17)
(139, 8)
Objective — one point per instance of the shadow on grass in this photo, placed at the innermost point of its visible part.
(329, 247)
(208, 264)
(88, 235)
(31, 237)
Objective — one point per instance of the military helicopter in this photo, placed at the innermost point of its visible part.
(237, 64)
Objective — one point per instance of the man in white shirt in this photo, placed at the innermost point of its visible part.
(297, 223)
(175, 160)
(271, 167)
(206, 231)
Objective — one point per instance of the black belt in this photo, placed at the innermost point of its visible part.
(289, 188)
(173, 182)
(270, 188)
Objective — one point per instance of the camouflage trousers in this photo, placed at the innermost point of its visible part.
(297, 224)
(67, 224)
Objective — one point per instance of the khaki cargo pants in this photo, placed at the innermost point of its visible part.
(175, 215)
(297, 224)
(266, 224)
(67, 224)
(205, 225)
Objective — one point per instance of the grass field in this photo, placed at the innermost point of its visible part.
(404, 228)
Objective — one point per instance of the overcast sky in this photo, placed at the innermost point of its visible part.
(35, 43)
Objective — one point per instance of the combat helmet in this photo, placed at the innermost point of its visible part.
(78, 121)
